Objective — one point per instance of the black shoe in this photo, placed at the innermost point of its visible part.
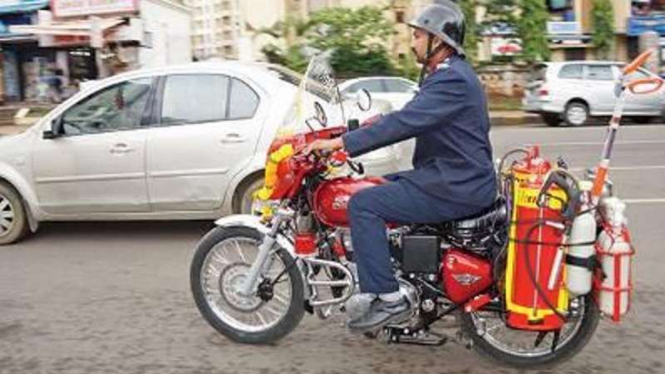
(380, 314)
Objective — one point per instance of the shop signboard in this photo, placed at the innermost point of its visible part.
(564, 28)
(84, 8)
(505, 46)
(638, 25)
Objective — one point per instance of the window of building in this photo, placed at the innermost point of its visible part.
(575, 54)
(399, 16)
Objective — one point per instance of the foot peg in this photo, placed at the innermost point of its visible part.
(399, 335)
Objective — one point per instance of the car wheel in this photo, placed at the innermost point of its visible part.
(243, 202)
(13, 219)
(576, 114)
(551, 119)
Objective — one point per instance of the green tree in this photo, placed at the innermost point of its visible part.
(602, 18)
(499, 11)
(502, 14)
(472, 31)
(532, 29)
(356, 36)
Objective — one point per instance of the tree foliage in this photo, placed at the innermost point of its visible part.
(356, 36)
(602, 18)
(532, 30)
(472, 32)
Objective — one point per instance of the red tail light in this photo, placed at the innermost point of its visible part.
(543, 92)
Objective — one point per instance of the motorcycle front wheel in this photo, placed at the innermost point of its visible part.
(221, 263)
(531, 350)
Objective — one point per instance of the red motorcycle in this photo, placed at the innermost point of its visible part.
(524, 282)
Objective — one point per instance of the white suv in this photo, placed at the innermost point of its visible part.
(575, 91)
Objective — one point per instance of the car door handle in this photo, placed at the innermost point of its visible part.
(121, 148)
(233, 138)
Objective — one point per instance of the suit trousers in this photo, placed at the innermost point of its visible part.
(398, 202)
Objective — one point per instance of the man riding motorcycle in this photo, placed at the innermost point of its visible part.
(453, 174)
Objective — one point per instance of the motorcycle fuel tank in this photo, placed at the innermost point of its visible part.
(331, 199)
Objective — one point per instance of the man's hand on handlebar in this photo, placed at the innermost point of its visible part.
(324, 145)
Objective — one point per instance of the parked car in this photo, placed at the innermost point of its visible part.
(398, 91)
(185, 142)
(576, 91)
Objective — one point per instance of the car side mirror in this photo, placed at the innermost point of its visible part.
(56, 129)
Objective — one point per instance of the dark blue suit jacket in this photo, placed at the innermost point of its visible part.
(449, 119)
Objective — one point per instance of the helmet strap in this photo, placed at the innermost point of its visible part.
(430, 53)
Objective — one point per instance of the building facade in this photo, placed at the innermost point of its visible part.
(236, 29)
(50, 47)
(216, 28)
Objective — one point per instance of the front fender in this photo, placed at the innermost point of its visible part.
(254, 222)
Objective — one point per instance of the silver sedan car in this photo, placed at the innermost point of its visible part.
(187, 142)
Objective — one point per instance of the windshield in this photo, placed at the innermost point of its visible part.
(316, 88)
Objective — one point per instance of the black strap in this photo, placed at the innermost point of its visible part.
(590, 263)
(428, 57)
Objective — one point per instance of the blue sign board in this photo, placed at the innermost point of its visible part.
(22, 6)
(640, 24)
(7, 20)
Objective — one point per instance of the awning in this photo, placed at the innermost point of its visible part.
(71, 28)
(22, 6)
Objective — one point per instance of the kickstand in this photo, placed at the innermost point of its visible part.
(398, 335)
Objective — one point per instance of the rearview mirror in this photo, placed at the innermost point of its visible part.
(56, 129)
(321, 114)
(364, 100)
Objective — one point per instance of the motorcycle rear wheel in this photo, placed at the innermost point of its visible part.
(222, 259)
(540, 357)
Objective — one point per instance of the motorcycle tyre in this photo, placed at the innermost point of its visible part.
(288, 322)
(579, 341)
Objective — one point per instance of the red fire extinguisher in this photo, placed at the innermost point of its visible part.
(533, 248)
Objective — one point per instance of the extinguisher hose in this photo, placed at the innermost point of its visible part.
(532, 274)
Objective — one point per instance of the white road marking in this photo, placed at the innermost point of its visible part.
(626, 168)
(619, 142)
(643, 201)
(622, 128)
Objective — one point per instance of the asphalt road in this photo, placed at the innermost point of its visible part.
(114, 297)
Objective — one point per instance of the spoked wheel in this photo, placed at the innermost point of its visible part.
(221, 263)
(532, 350)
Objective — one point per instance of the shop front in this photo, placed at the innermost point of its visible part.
(76, 41)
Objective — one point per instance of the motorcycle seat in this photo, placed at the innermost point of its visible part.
(485, 221)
